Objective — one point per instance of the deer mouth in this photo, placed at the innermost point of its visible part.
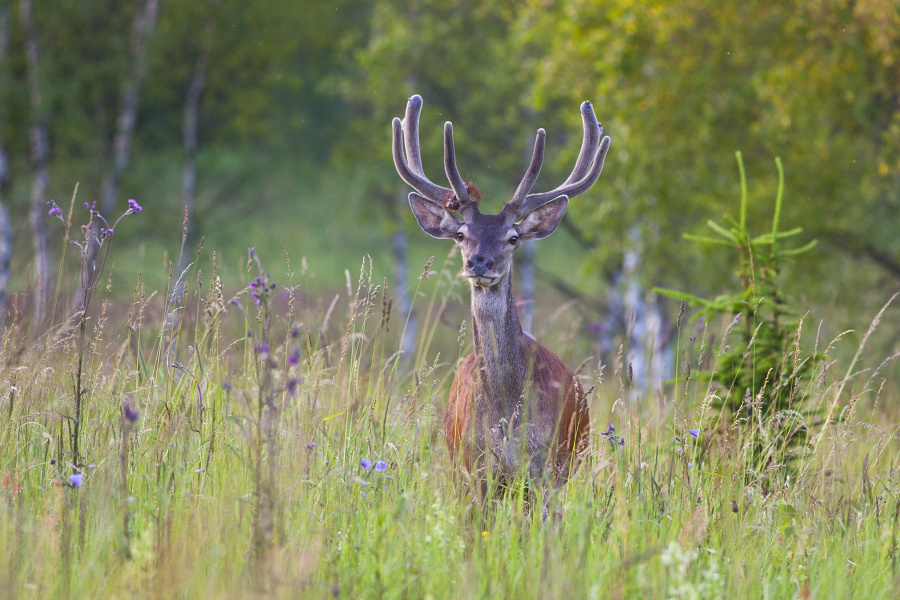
(483, 280)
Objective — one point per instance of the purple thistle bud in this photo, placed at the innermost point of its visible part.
(263, 348)
(130, 413)
(55, 211)
(251, 251)
(133, 206)
(292, 387)
(310, 445)
(365, 464)
(694, 432)
(76, 479)
(294, 358)
(254, 294)
(87, 206)
(380, 466)
(226, 385)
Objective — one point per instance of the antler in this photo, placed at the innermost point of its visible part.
(414, 174)
(584, 175)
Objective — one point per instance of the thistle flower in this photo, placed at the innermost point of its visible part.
(365, 464)
(76, 479)
(133, 206)
(380, 466)
(129, 413)
(610, 435)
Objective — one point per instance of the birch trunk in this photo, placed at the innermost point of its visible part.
(191, 114)
(5, 229)
(142, 29)
(40, 158)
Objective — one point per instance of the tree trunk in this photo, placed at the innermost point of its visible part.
(527, 260)
(40, 158)
(5, 228)
(406, 319)
(648, 354)
(526, 284)
(191, 113)
(142, 28)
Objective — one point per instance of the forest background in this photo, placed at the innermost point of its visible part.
(269, 123)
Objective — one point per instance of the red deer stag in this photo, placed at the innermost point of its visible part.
(514, 407)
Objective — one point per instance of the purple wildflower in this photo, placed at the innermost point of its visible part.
(310, 445)
(133, 206)
(365, 464)
(130, 413)
(380, 466)
(294, 358)
(610, 435)
(110, 231)
(55, 211)
(251, 251)
(76, 479)
(694, 432)
(291, 387)
(263, 348)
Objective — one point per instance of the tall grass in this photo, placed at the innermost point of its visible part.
(250, 467)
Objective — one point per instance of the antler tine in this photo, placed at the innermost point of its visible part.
(456, 182)
(531, 175)
(592, 132)
(587, 168)
(417, 181)
(411, 134)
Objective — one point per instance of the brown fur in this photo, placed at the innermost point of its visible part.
(557, 403)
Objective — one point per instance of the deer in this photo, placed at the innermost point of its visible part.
(514, 407)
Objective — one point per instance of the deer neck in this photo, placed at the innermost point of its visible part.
(500, 346)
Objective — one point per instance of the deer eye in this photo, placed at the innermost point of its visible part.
(513, 240)
(460, 236)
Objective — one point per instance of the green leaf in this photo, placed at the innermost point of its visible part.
(722, 231)
(705, 240)
(690, 298)
(800, 250)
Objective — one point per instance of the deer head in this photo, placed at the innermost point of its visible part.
(487, 241)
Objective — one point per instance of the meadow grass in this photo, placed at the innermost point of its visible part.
(243, 475)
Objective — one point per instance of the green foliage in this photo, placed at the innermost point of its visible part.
(765, 375)
(169, 499)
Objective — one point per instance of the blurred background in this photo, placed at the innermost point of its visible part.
(268, 124)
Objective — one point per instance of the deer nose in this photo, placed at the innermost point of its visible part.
(480, 264)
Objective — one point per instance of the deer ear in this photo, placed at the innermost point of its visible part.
(543, 220)
(433, 218)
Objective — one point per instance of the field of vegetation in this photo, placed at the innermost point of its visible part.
(264, 444)
(215, 396)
